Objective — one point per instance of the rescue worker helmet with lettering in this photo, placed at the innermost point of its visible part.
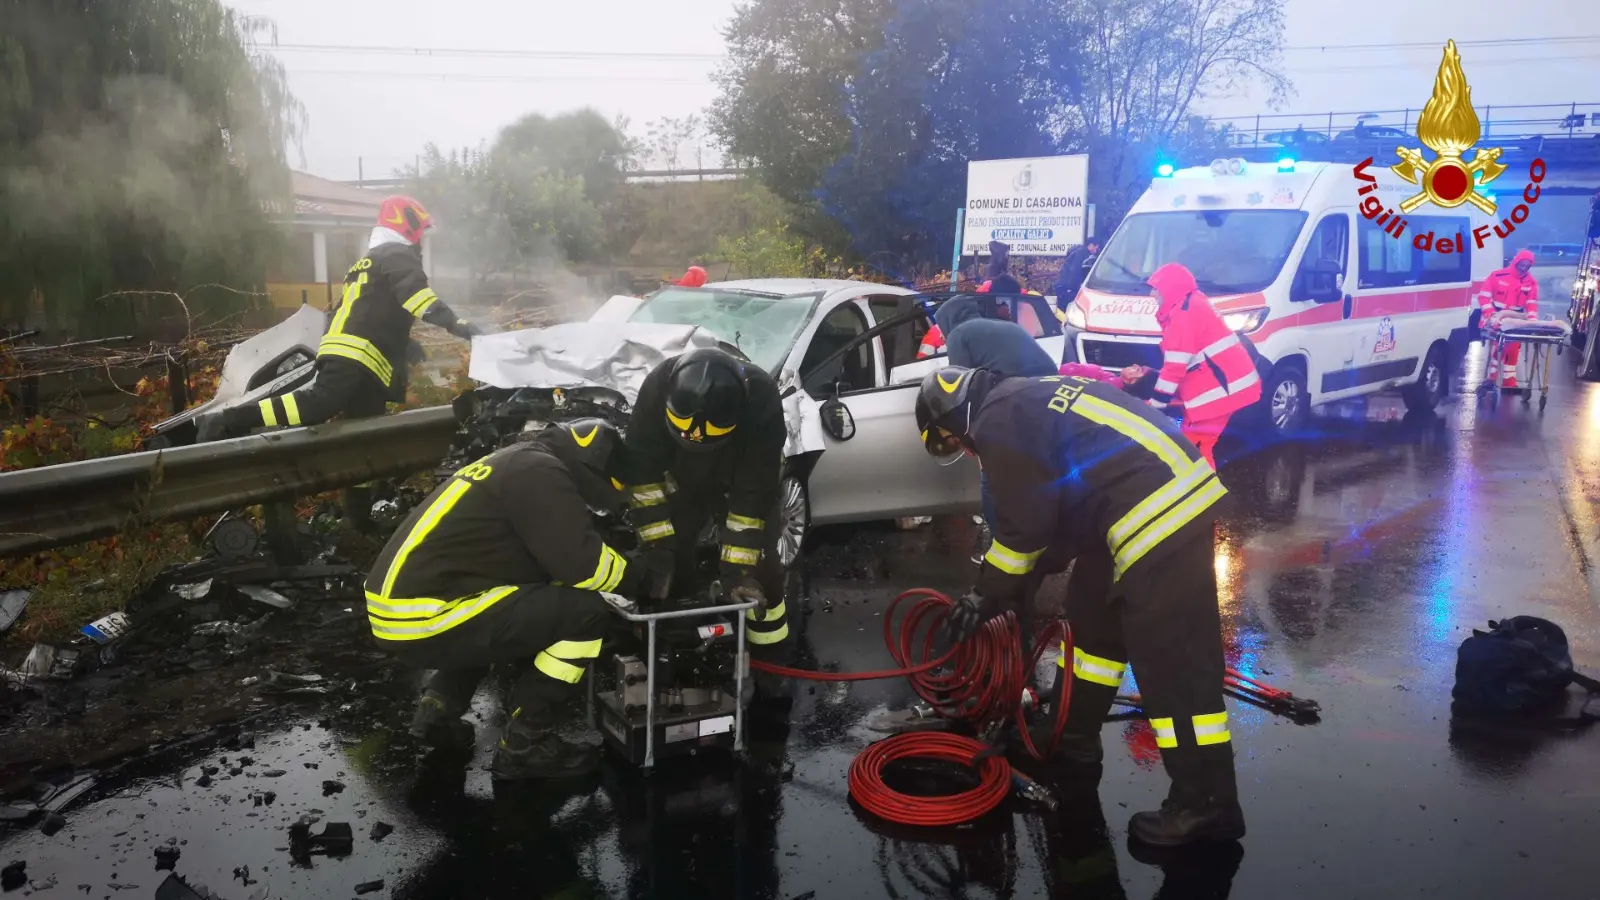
(592, 451)
(705, 399)
(944, 410)
(404, 216)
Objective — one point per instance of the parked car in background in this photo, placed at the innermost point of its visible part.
(1374, 133)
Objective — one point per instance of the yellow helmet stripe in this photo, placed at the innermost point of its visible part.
(951, 386)
(679, 422)
(585, 440)
(715, 431)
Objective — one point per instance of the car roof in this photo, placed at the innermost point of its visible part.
(791, 286)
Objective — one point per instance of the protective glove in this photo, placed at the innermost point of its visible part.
(464, 330)
(655, 568)
(967, 616)
(744, 589)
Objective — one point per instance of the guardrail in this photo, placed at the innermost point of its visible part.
(54, 506)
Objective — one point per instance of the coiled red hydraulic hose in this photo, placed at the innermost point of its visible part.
(981, 681)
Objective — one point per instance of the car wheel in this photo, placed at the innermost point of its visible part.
(794, 505)
(1431, 384)
(1285, 401)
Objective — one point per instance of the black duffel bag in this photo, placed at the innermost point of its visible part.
(1522, 664)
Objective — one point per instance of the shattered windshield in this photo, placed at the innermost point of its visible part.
(762, 326)
(1233, 251)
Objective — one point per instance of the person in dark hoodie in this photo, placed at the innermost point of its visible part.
(976, 337)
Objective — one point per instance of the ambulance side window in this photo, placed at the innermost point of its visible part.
(1455, 233)
(1330, 243)
(1385, 260)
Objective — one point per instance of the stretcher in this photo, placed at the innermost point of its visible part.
(1543, 339)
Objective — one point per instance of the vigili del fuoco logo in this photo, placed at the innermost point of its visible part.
(1449, 127)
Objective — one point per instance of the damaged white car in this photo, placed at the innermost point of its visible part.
(844, 354)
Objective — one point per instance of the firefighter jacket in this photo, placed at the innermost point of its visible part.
(514, 518)
(1205, 365)
(744, 471)
(384, 292)
(1071, 460)
(1508, 289)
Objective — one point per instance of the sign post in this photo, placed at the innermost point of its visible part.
(955, 256)
(1037, 206)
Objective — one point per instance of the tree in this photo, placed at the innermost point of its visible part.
(547, 188)
(875, 106)
(141, 144)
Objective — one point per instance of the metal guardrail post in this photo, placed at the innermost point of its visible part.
(178, 383)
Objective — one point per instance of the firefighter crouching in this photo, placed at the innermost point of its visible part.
(706, 441)
(1080, 468)
(503, 564)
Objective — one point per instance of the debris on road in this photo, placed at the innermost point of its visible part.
(381, 830)
(175, 888)
(52, 823)
(14, 875)
(107, 629)
(167, 858)
(266, 595)
(331, 787)
(12, 606)
(336, 839)
(367, 887)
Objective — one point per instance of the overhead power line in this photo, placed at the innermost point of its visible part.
(1437, 45)
(1471, 66)
(472, 76)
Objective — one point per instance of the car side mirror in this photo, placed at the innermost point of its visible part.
(836, 419)
(1323, 279)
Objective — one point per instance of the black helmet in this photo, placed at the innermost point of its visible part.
(705, 398)
(592, 451)
(944, 410)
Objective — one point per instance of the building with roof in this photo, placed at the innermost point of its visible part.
(327, 233)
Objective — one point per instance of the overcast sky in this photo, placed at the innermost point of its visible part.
(645, 59)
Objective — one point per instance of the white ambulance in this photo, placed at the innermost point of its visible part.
(1338, 302)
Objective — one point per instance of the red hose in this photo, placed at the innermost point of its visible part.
(983, 686)
(868, 788)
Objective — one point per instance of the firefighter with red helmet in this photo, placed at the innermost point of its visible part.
(361, 362)
(1079, 468)
(362, 359)
(1206, 367)
(706, 439)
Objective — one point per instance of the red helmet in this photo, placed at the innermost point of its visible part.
(695, 277)
(406, 217)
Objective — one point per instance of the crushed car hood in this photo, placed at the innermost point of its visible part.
(616, 356)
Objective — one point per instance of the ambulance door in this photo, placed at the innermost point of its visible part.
(1321, 296)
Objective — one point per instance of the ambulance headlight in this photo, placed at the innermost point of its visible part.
(1245, 321)
(1075, 316)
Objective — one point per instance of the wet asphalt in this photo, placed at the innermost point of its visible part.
(1352, 564)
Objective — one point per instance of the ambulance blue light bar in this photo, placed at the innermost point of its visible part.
(1165, 170)
(1286, 164)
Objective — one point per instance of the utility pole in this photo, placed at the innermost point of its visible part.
(361, 172)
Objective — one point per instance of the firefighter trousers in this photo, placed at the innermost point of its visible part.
(1205, 433)
(767, 635)
(340, 386)
(551, 633)
(1162, 619)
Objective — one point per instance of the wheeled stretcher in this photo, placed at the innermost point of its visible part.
(1543, 338)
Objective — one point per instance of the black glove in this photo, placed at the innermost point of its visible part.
(655, 569)
(744, 589)
(967, 616)
(464, 330)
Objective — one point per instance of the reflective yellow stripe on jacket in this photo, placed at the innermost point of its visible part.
(348, 346)
(1194, 487)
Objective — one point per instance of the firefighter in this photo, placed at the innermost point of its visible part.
(1206, 366)
(1078, 468)
(706, 443)
(1511, 288)
(361, 362)
(503, 564)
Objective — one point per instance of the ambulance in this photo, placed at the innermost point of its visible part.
(1341, 292)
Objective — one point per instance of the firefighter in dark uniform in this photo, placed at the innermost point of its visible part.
(1080, 469)
(706, 440)
(503, 564)
(361, 362)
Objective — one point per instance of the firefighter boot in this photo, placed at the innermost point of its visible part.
(1203, 805)
(531, 748)
(357, 503)
(437, 721)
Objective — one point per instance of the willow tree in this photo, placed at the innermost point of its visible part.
(142, 149)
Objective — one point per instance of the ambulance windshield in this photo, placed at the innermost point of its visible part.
(1230, 251)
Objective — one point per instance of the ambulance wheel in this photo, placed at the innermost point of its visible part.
(1432, 383)
(1285, 400)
